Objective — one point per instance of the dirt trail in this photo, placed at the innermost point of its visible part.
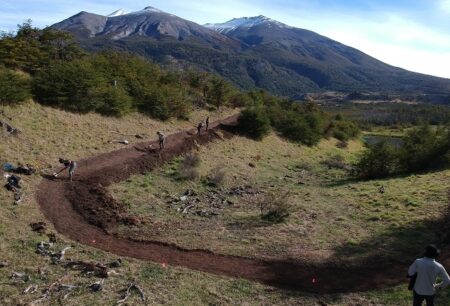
(83, 211)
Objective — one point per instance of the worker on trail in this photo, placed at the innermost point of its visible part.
(13, 182)
(161, 140)
(68, 164)
(207, 123)
(423, 273)
(199, 128)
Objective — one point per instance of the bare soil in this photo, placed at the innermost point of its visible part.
(83, 211)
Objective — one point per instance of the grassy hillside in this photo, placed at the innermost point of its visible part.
(50, 133)
(331, 217)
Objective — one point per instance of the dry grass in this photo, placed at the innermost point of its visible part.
(49, 133)
(329, 214)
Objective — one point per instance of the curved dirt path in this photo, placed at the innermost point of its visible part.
(83, 211)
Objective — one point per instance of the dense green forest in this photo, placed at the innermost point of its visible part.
(49, 66)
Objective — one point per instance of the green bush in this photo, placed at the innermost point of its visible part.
(378, 161)
(116, 102)
(344, 130)
(423, 147)
(14, 88)
(75, 86)
(254, 123)
(303, 128)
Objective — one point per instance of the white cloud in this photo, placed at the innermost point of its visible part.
(444, 5)
(390, 38)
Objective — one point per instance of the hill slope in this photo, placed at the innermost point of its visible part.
(251, 52)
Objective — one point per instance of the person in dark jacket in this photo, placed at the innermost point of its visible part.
(199, 127)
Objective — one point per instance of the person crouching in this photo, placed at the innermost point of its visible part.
(68, 164)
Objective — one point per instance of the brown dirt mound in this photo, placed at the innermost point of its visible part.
(82, 210)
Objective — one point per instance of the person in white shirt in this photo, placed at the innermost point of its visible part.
(425, 271)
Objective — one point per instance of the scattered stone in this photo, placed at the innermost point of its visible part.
(3, 264)
(252, 165)
(30, 289)
(97, 286)
(97, 269)
(19, 277)
(190, 193)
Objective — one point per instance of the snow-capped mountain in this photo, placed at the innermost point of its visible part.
(252, 52)
(244, 22)
(149, 22)
(119, 12)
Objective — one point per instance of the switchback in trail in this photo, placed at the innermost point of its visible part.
(83, 211)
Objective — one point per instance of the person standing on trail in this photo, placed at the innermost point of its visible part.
(207, 123)
(162, 140)
(199, 128)
(423, 273)
(70, 164)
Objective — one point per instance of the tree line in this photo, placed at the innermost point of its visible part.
(50, 66)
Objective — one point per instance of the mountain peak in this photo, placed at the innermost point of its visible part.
(119, 12)
(244, 22)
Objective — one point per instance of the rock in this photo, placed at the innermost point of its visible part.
(183, 198)
(116, 263)
(3, 264)
(39, 227)
(252, 165)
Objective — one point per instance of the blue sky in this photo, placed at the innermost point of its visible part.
(410, 34)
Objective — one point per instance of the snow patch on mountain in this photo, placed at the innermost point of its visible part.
(147, 10)
(244, 22)
(119, 12)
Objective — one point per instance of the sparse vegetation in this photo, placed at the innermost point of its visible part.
(188, 167)
(217, 176)
(274, 206)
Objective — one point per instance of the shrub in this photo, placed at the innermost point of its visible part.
(336, 162)
(274, 206)
(303, 128)
(254, 123)
(217, 176)
(378, 161)
(116, 102)
(14, 88)
(422, 147)
(187, 169)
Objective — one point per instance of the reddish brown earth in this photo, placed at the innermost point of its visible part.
(83, 211)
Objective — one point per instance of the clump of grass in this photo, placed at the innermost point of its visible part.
(274, 206)
(217, 176)
(335, 162)
(188, 168)
(342, 144)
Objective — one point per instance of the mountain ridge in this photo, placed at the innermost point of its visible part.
(252, 52)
